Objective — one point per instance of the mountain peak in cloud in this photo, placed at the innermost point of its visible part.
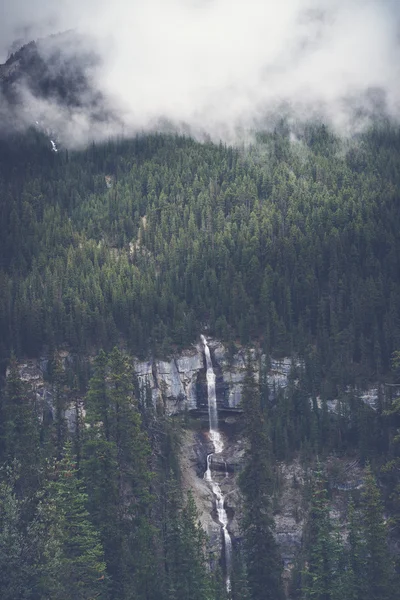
(219, 66)
(51, 81)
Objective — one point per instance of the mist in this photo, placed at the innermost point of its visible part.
(221, 67)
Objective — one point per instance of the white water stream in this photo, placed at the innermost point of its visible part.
(216, 439)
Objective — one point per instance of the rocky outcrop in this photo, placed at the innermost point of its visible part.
(33, 373)
(173, 383)
(291, 496)
(225, 466)
(180, 383)
(370, 397)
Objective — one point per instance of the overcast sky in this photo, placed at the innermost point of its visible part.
(220, 64)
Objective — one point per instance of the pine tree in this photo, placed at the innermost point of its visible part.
(20, 431)
(185, 544)
(262, 556)
(379, 564)
(19, 543)
(100, 467)
(73, 558)
(356, 582)
(240, 590)
(117, 471)
(323, 549)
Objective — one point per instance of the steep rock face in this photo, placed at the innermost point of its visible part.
(180, 384)
(234, 370)
(225, 467)
(290, 498)
(171, 383)
(193, 458)
(33, 373)
(290, 510)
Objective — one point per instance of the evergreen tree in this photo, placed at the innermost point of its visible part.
(73, 558)
(263, 560)
(379, 574)
(240, 590)
(19, 543)
(185, 544)
(20, 431)
(321, 577)
(356, 582)
(116, 462)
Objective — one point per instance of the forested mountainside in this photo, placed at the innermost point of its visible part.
(135, 248)
(293, 244)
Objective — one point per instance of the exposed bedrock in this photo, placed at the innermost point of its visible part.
(180, 383)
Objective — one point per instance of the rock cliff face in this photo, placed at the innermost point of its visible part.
(180, 384)
(290, 500)
(171, 383)
(226, 468)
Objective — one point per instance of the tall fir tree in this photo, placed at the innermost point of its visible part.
(263, 561)
(379, 571)
(20, 542)
(20, 431)
(116, 460)
(73, 558)
(321, 580)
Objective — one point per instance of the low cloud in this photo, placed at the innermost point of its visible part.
(220, 66)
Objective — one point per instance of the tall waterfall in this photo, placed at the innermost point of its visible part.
(216, 439)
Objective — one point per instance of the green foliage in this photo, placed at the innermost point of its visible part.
(379, 573)
(357, 566)
(322, 572)
(18, 544)
(19, 430)
(185, 552)
(296, 247)
(73, 558)
(262, 557)
(116, 468)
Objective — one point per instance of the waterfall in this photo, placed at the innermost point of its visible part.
(217, 441)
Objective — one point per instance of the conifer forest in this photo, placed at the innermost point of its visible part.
(131, 249)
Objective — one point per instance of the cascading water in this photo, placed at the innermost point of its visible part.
(216, 439)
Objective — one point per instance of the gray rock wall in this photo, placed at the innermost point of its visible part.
(179, 384)
(172, 383)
